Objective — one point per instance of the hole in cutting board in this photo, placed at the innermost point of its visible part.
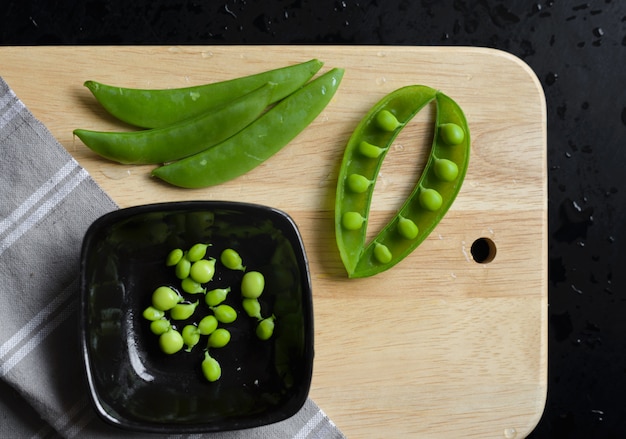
(483, 250)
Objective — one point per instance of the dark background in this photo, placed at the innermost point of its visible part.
(578, 51)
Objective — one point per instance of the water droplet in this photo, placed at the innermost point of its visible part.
(116, 172)
(381, 80)
(207, 54)
(510, 433)
(574, 221)
(598, 32)
(551, 78)
(575, 289)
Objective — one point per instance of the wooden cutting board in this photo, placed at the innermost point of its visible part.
(441, 346)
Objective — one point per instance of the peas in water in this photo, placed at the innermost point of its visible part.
(252, 284)
(232, 260)
(211, 368)
(151, 313)
(219, 338)
(265, 328)
(159, 327)
(207, 325)
(165, 298)
(171, 341)
(252, 307)
(174, 257)
(197, 252)
(216, 296)
(225, 313)
(202, 271)
(191, 286)
(191, 336)
(182, 311)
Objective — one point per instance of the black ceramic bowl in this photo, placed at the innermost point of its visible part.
(136, 386)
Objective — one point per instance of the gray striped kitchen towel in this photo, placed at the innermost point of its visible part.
(47, 202)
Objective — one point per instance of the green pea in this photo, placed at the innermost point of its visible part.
(358, 183)
(159, 327)
(197, 252)
(211, 368)
(219, 338)
(191, 286)
(216, 296)
(386, 120)
(451, 133)
(202, 271)
(207, 325)
(430, 199)
(407, 228)
(352, 220)
(232, 260)
(165, 298)
(252, 307)
(382, 253)
(252, 284)
(182, 268)
(369, 150)
(171, 341)
(174, 257)
(151, 313)
(225, 313)
(182, 311)
(265, 328)
(191, 336)
(446, 170)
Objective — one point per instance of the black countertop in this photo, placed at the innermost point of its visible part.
(578, 51)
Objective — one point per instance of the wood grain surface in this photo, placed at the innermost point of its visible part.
(438, 347)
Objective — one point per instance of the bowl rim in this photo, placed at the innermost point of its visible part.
(171, 427)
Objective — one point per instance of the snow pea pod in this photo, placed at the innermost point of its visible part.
(429, 200)
(257, 142)
(149, 108)
(162, 145)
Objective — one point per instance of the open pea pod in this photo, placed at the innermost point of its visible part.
(431, 197)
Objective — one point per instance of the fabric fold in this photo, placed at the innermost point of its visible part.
(47, 202)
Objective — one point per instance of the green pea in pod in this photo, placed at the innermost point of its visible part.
(431, 197)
